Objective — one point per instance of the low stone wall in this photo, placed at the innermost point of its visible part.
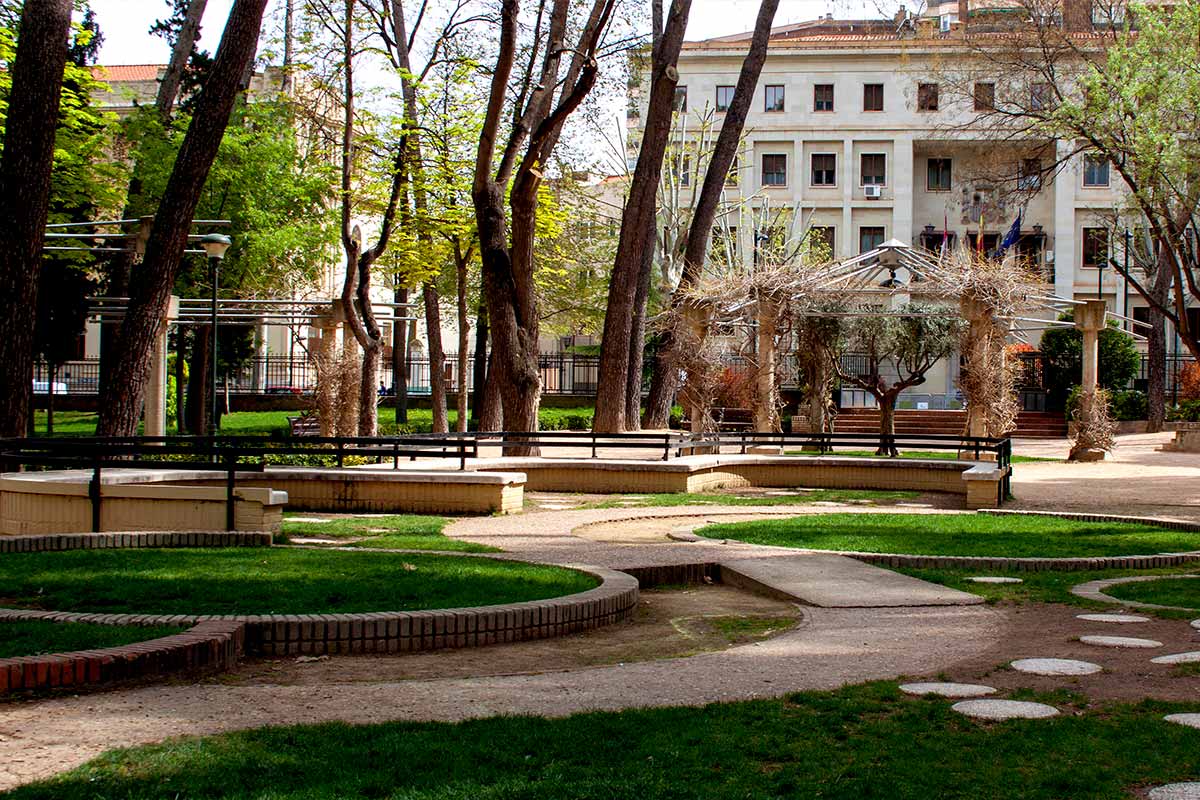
(108, 541)
(58, 502)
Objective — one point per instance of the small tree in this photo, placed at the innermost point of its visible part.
(898, 351)
(1062, 359)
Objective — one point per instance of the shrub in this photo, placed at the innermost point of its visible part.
(1187, 411)
(1189, 381)
(1127, 404)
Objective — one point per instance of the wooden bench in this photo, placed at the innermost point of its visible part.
(306, 425)
(728, 419)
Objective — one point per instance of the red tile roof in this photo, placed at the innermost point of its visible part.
(127, 73)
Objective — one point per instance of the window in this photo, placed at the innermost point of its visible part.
(872, 97)
(927, 97)
(1095, 171)
(1095, 247)
(681, 98)
(985, 97)
(825, 236)
(724, 98)
(774, 98)
(774, 170)
(1029, 176)
(874, 169)
(937, 175)
(869, 237)
(1141, 319)
(823, 97)
(1040, 98)
(824, 169)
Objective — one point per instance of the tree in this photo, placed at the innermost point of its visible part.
(666, 373)
(1062, 359)
(25, 166)
(897, 351)
(121, 405)
(545, 98)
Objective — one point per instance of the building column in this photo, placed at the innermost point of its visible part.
(155, 422)
(1089, 319)
(849, 244)
(1064, 225)
(902, 189)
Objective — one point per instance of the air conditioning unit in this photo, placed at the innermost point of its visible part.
(872, 192)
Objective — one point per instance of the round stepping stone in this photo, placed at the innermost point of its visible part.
(1118, 641)
(1176, 791)
(1195, 624)
(309, 520)
(994, 579)
(1120, 619)
(1191, 720)
(947, 689)
(1055, 666)
(1004, 709)
(1177, 658)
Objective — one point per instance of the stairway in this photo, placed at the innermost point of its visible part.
(1030, 424)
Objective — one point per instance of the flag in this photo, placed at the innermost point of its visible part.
(1010, 238)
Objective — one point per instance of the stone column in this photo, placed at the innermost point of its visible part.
(156, 384)
(1089, 319)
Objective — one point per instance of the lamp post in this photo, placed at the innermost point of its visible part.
(215, 245)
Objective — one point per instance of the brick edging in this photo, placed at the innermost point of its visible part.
(38, 543)
(1159, 522)
(614, 600)
(212, 645)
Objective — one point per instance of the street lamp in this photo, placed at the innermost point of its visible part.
(215, 245)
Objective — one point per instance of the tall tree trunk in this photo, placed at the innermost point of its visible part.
(400, 359)
(887, 422)
(437, 358)
(1156, 353)
(666, 373)
(25, 167)
(181, 51)
(180, 379)
(637, 229)
(199, 370)
(121, 404)
(480, 371)
(464, 341)
(637, 342)
(766, 416)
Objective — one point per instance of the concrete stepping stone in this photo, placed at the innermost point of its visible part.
(994, 579)
(1195, 624)
(1190, 720)
(1119, 619)
(947, 689)
(560, 506)
(1004, 709)
(1119, 641)
(1176, 791)
(308, 520)
(1178, 658)
(1055, 666)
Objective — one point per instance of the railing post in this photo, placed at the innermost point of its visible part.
(462, 455)
(94, 494)
(593, 445)
(395, 454)
(667, 447)
(339, 452)
(230, 499)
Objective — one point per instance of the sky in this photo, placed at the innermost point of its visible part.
(126, 40)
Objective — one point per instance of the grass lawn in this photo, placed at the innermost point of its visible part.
(1046, 587)
(396, 531)
(35, 638)
(958, 535)
(861, 743)
(942, 455)
(802, 496)
(1183, 592)
(270, 581)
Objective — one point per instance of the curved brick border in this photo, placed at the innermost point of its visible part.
(212, 645)
(1094, 590)
(615, 599)
(1160, 522)
(108, 541)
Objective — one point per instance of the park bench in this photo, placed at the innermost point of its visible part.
(304, 425)
(728, 419)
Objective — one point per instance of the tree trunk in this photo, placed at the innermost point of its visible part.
(1156, 353)
(437, 358)
(168, 87)
(400, 359)
(637, 342)
(368, 388)
(121, 404)
(180, 378)
(637, 229)
(766, 417)
(25, 167)
(464, 342)
(887, 424)
(479, 375)
(199, 370)
(664, 384)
